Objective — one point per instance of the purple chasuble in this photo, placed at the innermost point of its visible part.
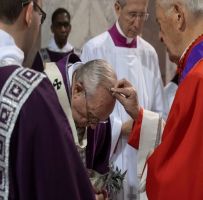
(119, 40)
(43, 161)
(98, 148)
(98, 140)
(54, 57)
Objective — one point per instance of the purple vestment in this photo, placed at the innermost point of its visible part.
(98, 140)
(54, 57)
(43, 161)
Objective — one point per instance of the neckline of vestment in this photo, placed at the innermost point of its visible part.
(189, 58)
(119, 40)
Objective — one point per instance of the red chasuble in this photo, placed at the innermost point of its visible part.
(175, 169)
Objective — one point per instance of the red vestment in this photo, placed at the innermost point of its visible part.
(175, 169)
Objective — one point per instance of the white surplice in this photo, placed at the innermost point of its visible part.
(52, 46)
(139, 66)
(10, 54)
(170, 91)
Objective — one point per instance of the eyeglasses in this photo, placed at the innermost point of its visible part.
(37, 8)
(138, 15)
(40, 12)
(91, 119)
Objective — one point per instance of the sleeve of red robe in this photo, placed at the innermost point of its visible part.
(134, 137)
(175, 170)
(145, 136)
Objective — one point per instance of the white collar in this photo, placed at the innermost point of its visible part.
(10, 54)
(53, 46)
(128, 40)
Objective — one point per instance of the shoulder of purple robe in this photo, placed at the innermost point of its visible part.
(56, 56)
(44, 162)
(62, 64)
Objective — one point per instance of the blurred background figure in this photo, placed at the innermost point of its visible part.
(58, 46)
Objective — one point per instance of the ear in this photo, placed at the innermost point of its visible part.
(117, 8)
(29, 14)
(179, 17)
(77, 88)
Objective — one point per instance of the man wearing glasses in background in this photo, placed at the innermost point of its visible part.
(135, 60)
(59, 46)
(38, 158)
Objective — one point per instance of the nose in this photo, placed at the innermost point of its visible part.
(136, 21)
(63, 29)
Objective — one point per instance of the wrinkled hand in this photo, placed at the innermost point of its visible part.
(101, 196)
(127, 96)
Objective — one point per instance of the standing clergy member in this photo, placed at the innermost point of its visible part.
(38, 158)
(136, 60)
(175, 169)
(59, 46)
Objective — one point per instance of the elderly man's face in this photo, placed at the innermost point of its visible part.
(168, 32)
(131, 16)
(90, 110)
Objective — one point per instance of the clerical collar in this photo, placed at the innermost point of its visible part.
(128, 40)
(119, 39)
(54, 47)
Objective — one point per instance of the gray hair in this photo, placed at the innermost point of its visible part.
(95, 73)
(195, 6)
(121, 2)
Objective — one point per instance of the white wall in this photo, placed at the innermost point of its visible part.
(89, 18)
